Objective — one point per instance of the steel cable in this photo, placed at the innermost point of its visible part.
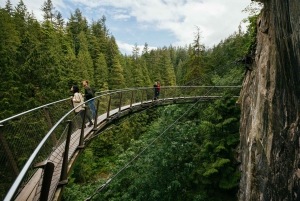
(100, 188)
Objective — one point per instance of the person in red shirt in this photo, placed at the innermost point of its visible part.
(158, 89)
(156, 93)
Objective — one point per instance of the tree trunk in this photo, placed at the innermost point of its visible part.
(269, 147)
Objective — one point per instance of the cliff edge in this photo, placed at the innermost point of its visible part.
(269, 147)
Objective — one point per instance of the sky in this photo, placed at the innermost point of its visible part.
(158, 23)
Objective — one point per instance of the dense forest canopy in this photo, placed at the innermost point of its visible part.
(41, 60)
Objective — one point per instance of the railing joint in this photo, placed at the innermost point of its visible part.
(81, 147)
(41, 164)
(63, 182)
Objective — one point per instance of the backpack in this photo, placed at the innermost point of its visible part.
(158, 87)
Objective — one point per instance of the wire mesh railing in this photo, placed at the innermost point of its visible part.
(47, 137)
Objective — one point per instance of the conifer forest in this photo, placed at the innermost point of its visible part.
(195, 160)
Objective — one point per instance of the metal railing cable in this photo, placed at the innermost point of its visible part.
(101, 187)
(37, 121)
(34, 109)
(22, 134)
(45, 144)
(186, 86)
(154, 104)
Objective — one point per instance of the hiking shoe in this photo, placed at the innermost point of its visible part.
(90, 124)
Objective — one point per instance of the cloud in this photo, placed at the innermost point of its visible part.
(34, 6)
(174, 19)
(217, 19)
(126, 48)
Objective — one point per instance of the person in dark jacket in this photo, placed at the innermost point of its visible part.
(89, 94)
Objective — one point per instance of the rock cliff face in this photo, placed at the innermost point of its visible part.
(269, 148)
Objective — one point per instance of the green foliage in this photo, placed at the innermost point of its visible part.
(9, 43)
(85, 170)
(254, 10)
(193, 160)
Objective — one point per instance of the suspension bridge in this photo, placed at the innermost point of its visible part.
(40, 146)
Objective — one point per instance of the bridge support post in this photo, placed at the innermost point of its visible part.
(47, 178)
(64, 169)
(142, 97)
(108, 107)
(96, 119)
(82, 129)
(8, 152)
(131, 101)
(53, 137)
(120, 103)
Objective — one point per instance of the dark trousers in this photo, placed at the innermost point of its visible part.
(82, 116)
(156, 94)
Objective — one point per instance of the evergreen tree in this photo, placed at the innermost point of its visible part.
(145, 52)
(77, 24)
(44, 67)
(84, 69)
(48, 10)
(196, 65)
(179, 73)
(145, 73)
(112, 51)
(116, 78)
(9, 8)
(153, 65)
(100, 73)
(10, 75)
(166, 69)
(59, 21)
(127, 65)
(115, 70)
(137, 73)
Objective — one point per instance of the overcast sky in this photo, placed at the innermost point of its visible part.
(157, 22)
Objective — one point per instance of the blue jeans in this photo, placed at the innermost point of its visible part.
(92, 108)
(82, 115)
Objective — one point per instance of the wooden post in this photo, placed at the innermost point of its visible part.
(132, 95)
(108, 107)
(47, 178)
(8, 152)
(53, 137)
(96, 119)
(142, 98)
(64, 169)
(120, 103)
(82, 129)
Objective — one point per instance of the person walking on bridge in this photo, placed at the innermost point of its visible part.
(89, 93)
(156, 92)
(158, 89)
(77, 100)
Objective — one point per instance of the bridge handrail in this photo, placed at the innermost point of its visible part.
(25, 169)
(31, 110)
(42, 106)
(105, 93)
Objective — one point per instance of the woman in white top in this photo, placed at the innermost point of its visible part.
(77, 100)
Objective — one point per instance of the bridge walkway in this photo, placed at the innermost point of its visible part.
(34, 188)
